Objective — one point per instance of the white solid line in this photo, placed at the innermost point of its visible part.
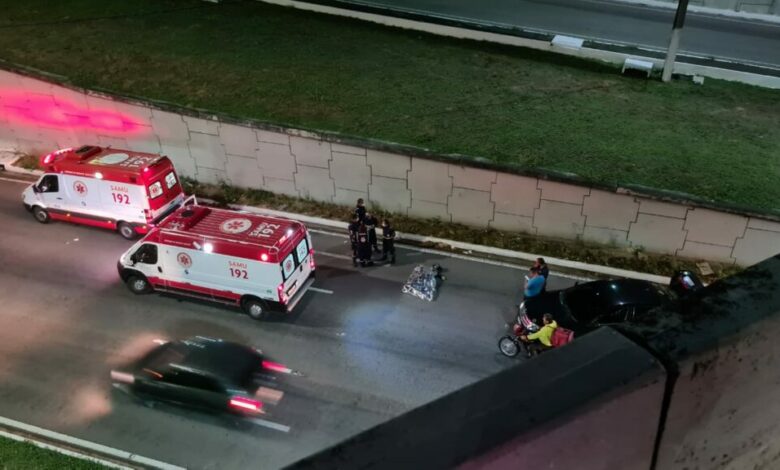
(448, 254)
(15, 181)
(74, 441)
(324, 253)
(322, 291)
(270, 424)
(63, 451)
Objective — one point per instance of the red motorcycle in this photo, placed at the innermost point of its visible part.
(511, 345)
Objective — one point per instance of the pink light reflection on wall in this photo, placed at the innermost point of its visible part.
(27, 108)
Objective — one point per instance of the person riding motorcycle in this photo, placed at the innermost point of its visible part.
(542, 339)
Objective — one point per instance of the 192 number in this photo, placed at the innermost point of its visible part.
(239, 273)
(120, 198)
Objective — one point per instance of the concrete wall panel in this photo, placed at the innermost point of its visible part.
(605, 236)
(390, 165)
(705, 251)
(244, 172)
(280, 186)
(350, 171)
(513, 223)
(755, 246)
(429, 210)
(390, 193)
(315, 183)
(559, 219)
(717, 228)
(272, 137)
(518, 195)
(202, 126)
(207, 150)
(470, 207)
(276, 161)
(238, 140)
(561, 192)
(658, 234)
(472, 178)
(609, 210)
(429, 181)
(310, 152)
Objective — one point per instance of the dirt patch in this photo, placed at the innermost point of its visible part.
(28, 162)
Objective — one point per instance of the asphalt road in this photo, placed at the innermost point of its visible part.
(367, 351)
(728, 38)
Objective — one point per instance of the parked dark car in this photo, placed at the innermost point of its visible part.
(587, 306)
(204, 373)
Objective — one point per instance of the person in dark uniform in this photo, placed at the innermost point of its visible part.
(360, 210)
(353, 238)
(371, 224)
(363, 246)
(388, 241)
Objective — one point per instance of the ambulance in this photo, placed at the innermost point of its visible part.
(115, 189)
(261, 264)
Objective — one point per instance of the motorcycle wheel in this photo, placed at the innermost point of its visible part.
(508, 346)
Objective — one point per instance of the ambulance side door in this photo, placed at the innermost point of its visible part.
(182, 270)
(83, 195)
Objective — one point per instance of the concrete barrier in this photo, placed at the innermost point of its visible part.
(723, 412)
(594, 404)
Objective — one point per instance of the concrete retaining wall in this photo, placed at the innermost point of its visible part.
(594, 404)
(37, 116)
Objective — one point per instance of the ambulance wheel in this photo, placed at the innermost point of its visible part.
(41, 215)
(138, 285)
(126, 230)
(255, 308)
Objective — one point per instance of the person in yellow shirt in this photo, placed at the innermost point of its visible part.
(542, 339)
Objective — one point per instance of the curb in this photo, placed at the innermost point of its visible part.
(469, 247)
(455, 245)
(82, 449)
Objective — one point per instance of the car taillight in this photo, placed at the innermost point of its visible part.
(276, 367)
(246, 404)
(123, 377)
(311, 259)
(280, 291)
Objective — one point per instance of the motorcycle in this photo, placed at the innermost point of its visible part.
(510, 345)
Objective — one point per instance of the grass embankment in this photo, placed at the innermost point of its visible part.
(23, 456)
(533, 110)
(566, 249)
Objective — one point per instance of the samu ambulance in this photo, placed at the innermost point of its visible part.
(116, 189)
(261, 264)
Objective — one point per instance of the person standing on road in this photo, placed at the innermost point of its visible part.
(543, 270)
(371, 223)
(388, 241)
(363, 246)
(534, 283)
(353, 238)
(360, 210)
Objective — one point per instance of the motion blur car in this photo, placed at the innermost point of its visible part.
(587, 306)
(204, 373)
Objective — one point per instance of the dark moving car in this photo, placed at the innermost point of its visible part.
(587, 306)
(204, 373)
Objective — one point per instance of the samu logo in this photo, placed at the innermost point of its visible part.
(80, 188)
(184, 260)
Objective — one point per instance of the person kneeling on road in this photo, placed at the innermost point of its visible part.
(542, 339)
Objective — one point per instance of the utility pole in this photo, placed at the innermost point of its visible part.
(674, 41)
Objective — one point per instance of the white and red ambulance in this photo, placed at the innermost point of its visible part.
(103, 187)
(262, 264)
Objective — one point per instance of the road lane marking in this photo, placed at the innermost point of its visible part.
(270, 424)
(448, 254)
(322, 291)
(15, 181)
(81, 443)
(61, 450)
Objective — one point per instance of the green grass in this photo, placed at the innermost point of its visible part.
(533, 110)
(23, 456)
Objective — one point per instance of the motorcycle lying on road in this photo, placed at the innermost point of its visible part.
(510, 345)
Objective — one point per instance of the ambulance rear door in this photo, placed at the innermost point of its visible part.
(296, 268)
